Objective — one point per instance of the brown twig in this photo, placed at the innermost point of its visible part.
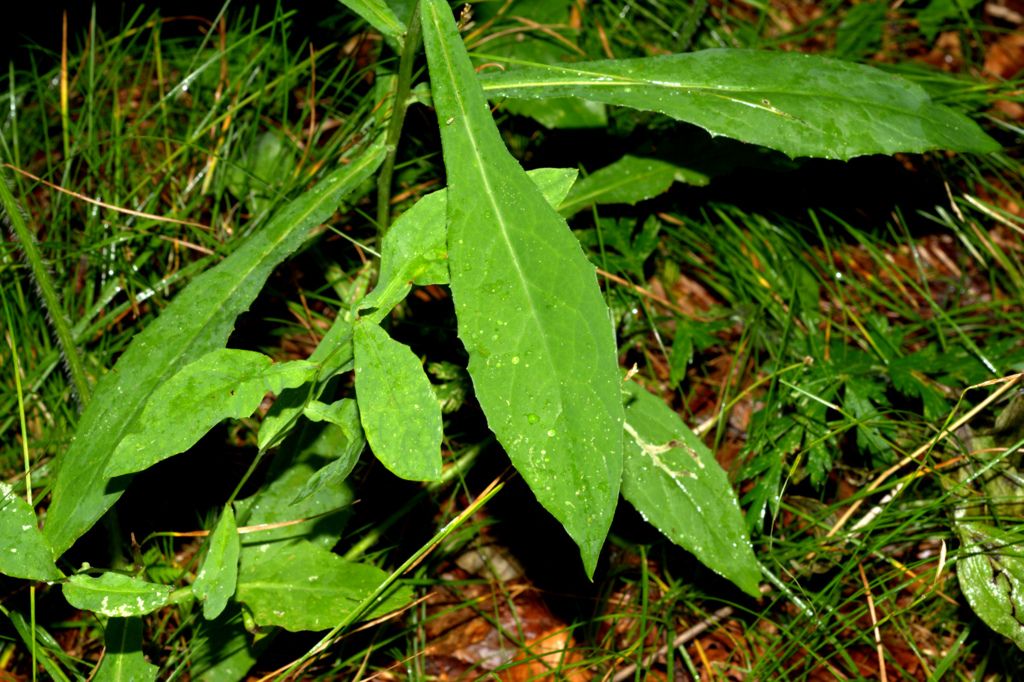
(874, 624)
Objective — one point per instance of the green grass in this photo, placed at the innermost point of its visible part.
(824, 323)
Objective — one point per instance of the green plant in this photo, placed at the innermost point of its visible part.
(536, 328)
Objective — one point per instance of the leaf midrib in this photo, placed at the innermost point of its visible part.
(721, 91)
(499, 215)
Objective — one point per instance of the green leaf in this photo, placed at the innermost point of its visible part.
(333, 355)
(24, 552)
(415, 249)
(564, 113)
(116, 595)
(397, 406)
(123, 660)
(530, 312)
(218, 575)
(342, 439)
(378, 14)
(347, 442)
(321, 513)
(991, 574)
(223, 384)
(872, 423)
(627, 181)
(305, 587)
(554, 112)
(800, 104)
(675, 483)
(220, 650)
(197, 321)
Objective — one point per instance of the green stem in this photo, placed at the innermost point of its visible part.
(47, 291)
(399, 107)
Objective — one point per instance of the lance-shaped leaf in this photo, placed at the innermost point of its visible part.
(24, 552)
(415, 249)
(197, 321)
(397, 406)
(627, 181)
(216, 580)
(541, 347)
(675, 483)
(113, 594)
(302, 586)
(123, 660)
(800, 104)
(223, 384)
(991, 574)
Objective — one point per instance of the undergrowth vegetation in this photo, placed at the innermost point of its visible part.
(303, 377)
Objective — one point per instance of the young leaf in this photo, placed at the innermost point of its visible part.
(346, 432)
(415, 249)
(113, 594)
(627, 181)
(397, 406)
(24, 552)
(333, 355)
(302, 586)
(530, 312)
(197, 321)
(675, 483)
(223, 384)
(991, 574)
(123, 660)
(799, 104)
(218, 575)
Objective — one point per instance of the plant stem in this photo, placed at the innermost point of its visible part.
(399, 107)
(47, 291)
